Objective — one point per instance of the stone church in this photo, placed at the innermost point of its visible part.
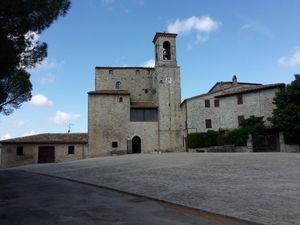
(137, 109)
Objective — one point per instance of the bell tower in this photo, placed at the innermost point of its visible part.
(165, 49)
(166, 80)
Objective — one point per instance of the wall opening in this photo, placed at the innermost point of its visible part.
(166, 50)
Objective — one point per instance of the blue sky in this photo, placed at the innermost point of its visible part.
(256, 40)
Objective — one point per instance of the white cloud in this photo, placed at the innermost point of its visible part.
(6, 136)
(63, 117)
(47, 79)
(202, 24)
(19, 123)
(293, 60)
(149, 63)
(40, 100)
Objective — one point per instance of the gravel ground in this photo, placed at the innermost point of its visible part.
(260, 187)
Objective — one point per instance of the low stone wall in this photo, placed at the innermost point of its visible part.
(225, 148)
(290, 148)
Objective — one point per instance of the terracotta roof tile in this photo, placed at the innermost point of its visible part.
(250, 89)
(50, 138)
(109, 92)
(143, 105)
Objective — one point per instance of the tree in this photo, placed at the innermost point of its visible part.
(20, 22)
(254, 124)
(286, 115)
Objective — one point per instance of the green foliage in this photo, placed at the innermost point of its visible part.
(237, 137)
(286, 115)
(201, 140)
(20, 22)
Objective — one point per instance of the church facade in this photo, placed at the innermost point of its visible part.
(137, 109)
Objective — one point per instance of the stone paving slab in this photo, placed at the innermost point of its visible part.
(260, 187)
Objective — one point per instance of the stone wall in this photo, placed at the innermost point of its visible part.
(138, 84)
(9, 157)
(197, 113)
(108, 122)
(148, 132)
(259, 103)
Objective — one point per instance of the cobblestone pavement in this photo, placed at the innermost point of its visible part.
(259, 187)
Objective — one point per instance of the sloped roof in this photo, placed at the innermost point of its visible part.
(143, 105)
(250, 89)
(50, 138)
(163, 34)
(230, 83)
(109, 92)
(125, 67)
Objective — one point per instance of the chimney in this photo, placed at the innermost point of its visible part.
(234, 81)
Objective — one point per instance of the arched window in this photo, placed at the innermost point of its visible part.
(166, 51)
(118, 84)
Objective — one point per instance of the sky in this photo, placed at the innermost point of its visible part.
(258, 41)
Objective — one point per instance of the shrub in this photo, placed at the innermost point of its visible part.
(237, 137)
(201, 140)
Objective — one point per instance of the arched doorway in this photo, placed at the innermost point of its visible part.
(136, 144)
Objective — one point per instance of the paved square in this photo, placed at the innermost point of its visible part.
(260, 187)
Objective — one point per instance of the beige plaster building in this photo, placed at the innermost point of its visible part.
(42, 148)
(137, 109)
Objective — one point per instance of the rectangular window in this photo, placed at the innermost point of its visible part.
(71, 149)
(217, 103)
(207, 103)
(143, 114)
(111, 72)
(20, 150)
(240, 120)
(208, 123)
(114, 144)
(239, 99)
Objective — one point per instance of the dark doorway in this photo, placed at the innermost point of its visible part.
(136, 144)
(46, 154)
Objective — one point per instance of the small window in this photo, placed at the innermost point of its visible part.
(120, 99)
(207, 103)
(118, 85)
(71, 149)
(111, 72)
(240, 120)
(239, 99)
(137, 72)
(114, 144)
(146, 91)
(208, 123)
(217, 103)
(20, 150)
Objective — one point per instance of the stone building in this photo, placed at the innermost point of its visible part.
(137, 109)
(42, 148)
(226, 104)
